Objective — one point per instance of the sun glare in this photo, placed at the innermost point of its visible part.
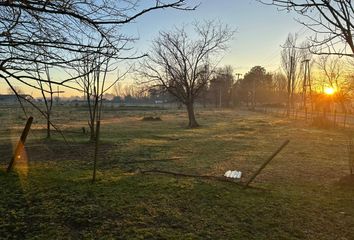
(329, 91)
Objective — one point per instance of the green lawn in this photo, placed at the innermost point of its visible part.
(304, 193)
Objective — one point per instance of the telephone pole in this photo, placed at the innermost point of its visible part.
(238, 76)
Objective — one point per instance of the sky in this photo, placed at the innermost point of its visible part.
(260, 30)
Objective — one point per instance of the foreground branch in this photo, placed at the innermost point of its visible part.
(210, 177)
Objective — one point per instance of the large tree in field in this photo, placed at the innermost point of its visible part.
(182, 63)
(331, 21)
(57, 30)
(255, 86)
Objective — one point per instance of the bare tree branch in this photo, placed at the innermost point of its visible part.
(181, 64)
(331, 21)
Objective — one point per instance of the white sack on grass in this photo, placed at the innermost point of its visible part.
(233, 174)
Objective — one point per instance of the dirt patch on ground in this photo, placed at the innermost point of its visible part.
(149, 118)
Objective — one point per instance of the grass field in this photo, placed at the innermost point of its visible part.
(304, 193)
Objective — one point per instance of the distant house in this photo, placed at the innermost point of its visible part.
(12, 98)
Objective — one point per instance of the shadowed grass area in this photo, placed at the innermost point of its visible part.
(300, 195)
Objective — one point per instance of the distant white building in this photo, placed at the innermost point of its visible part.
(12, 98)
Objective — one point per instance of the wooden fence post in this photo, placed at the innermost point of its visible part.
(21, 144)
(266, 163)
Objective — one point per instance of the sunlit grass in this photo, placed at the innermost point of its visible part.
(298, 196)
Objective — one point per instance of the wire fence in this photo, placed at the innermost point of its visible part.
(329, 118)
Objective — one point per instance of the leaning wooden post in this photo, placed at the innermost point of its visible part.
(266, 163)
(21, 144)
(96, 151)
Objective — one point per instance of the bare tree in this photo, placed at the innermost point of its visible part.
(33, 30)
(333, 70)
(118, 89)
(279, 84)
(129, 90)
(290, 59)
(93, 70)
(181, 63)
(332, 21)
(46, 89)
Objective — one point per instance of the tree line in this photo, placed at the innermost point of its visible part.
(83, 39)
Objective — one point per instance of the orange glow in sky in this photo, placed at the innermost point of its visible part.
(329, 90)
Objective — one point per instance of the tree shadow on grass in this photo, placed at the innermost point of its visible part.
(14, 208)
(6, 150)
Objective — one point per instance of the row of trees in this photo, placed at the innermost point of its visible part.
(84, 38)
(284, 88)
(332, 23)
(277, 89)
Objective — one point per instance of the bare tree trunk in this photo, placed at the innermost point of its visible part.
(289, 103)
(292, 100)
(91, 121)
(92, 131)
(48, 126)
(191, 116)
(97, 138)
